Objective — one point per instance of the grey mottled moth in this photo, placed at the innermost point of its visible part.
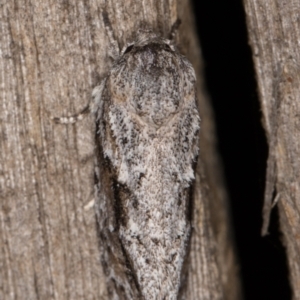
(147, 138)
(147, 126)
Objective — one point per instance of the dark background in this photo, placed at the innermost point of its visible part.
(230, 81)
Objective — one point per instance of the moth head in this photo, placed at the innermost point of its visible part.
(148, 37)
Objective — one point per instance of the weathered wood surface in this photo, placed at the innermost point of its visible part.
(274, 27)
(52, 55)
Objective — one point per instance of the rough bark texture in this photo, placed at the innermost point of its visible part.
(274, 27)
(52, 55)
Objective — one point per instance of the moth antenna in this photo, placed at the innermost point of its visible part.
(174, 30)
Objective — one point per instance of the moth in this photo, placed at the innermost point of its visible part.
(147, 126)
(147, 129)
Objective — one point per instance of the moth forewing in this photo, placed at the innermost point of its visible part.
(147, 145)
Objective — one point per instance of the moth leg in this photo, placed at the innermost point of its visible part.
(95, 103)
(72, 119)
(91, 107)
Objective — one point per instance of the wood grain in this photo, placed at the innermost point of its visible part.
(52, 54)
(274, 27)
